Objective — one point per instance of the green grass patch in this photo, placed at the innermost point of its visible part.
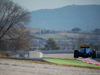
(53, 36)
(73, 62)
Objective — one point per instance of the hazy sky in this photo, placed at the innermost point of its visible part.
(32, 5)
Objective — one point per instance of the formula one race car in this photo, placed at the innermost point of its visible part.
(84, 52)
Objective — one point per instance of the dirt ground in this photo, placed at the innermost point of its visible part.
(8, 67)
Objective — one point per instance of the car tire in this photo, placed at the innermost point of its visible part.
(93, 54)
(76, 53)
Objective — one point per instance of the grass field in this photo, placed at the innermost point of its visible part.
(53, 36)
(73, 62)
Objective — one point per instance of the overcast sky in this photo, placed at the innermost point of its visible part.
(33, 5)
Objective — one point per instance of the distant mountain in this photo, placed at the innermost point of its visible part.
(86, 17)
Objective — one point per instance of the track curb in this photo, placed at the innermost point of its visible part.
(89, 61)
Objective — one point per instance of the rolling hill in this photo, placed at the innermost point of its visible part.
(86, 17)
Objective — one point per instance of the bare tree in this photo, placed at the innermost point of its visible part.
(11, 16)
(20, 39)
(13, 19)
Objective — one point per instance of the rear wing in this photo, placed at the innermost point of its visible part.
(85, 46)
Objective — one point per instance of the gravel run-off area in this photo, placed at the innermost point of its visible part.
(9, 67)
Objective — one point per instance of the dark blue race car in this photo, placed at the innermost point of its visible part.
(84, 52)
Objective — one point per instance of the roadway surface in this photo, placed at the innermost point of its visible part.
(97, 59)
